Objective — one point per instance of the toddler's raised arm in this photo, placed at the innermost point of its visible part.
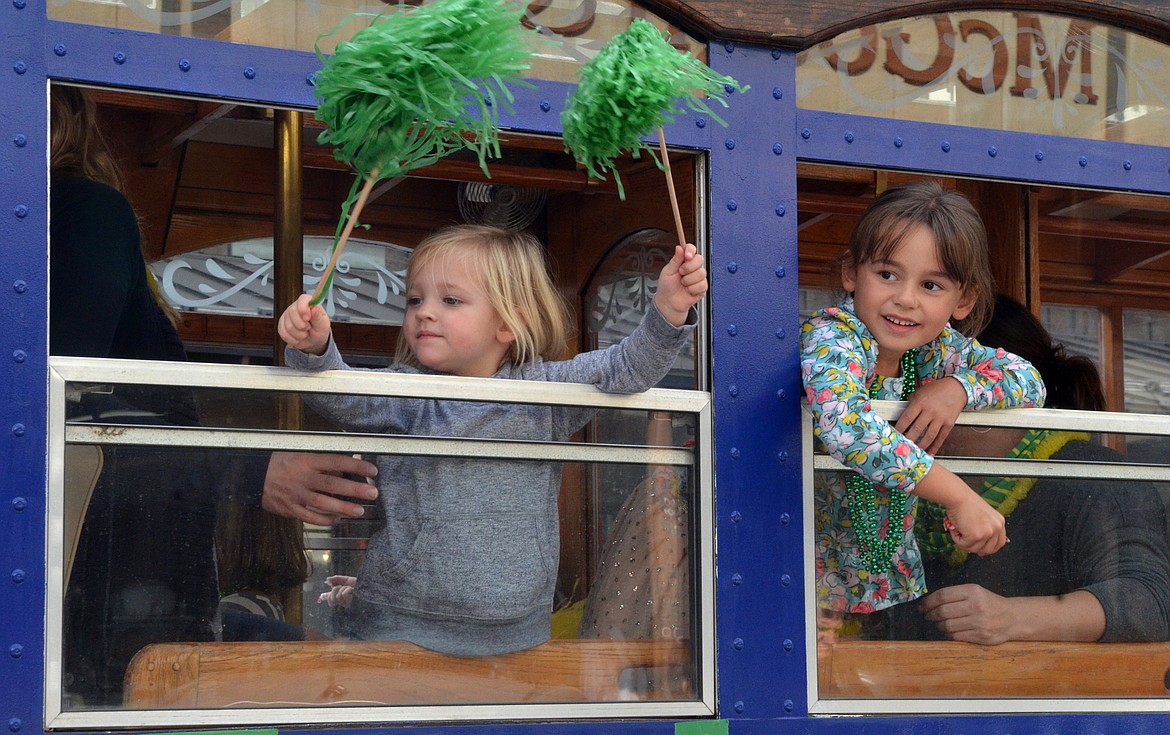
(681, 285)
(304, 327)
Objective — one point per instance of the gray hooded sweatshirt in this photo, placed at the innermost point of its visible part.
(467, 560)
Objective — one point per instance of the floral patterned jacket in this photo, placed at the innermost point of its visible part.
(838, 363)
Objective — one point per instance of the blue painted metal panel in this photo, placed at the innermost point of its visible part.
(23, 387)
(754, 313)
(982, 152)
(755, 328)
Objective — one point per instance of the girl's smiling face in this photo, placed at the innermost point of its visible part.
(450, 325)
(906, 298)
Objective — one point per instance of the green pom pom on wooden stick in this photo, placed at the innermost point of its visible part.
(630, 88)
(415, 86)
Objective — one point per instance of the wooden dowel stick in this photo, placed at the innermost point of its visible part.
(682, 237)
(349, 225)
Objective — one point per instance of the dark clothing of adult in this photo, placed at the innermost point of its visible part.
(144, 569)
(1104, 536)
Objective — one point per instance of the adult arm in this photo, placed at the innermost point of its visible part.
(974, 614)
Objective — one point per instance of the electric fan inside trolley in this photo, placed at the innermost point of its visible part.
(500, 205)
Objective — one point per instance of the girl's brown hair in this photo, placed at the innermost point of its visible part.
(513, 272)
(958, 232)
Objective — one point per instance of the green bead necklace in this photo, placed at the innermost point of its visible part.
(877, 552)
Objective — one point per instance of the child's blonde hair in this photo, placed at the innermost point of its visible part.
(958, 231)
(513, 273)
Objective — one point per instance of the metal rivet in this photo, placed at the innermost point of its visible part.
(849, 137)
(777, 93)
(1039, 155)
(736, 516)
(17, 575)
(545, 105)
(16, 650)
(20, 210)
(729, 47)
(20, 140)
(788, 645)
(729, 144)
(1128, 165)
(898, 142)
(946, 146)
(781, 394)
(59, 49)
(776, 54)
(780, 210)
(732, 267)
(249, 72)
(780, 271)
(734, 452)
(19, 4)
(1083, 161)
(19, 504)
(185, 65)
(777, 149)
(737, 579)
(19, 355)
(805, 133)
(18, 429)
(20, 287)
(992, 151)
(782, 455)
(732, 330)
(785, 519)
(733, 390)
(488, 100)
(780, 333)
(700, 122)
(789, 705)
(728, 89)
(14, 724)
(20, 67)
(739, 707)
(737, 644)
(732, 205)
(785, 580)
(119, 57)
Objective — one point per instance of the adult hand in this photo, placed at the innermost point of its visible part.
(931, 413)
(970, 613)
(303, 485)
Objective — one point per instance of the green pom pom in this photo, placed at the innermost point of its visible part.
(421, 83)
(630, 89)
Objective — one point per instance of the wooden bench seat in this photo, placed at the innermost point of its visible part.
(926, 669)
(200, 675)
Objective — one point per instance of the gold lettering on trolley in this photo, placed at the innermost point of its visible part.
(1032, 55)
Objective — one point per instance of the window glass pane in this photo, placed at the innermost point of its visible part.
(1147, 361)
(1021, 71)
(573, 31)
(1071, 607)
(1077, 328)
(463, 594)
(236, 278)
